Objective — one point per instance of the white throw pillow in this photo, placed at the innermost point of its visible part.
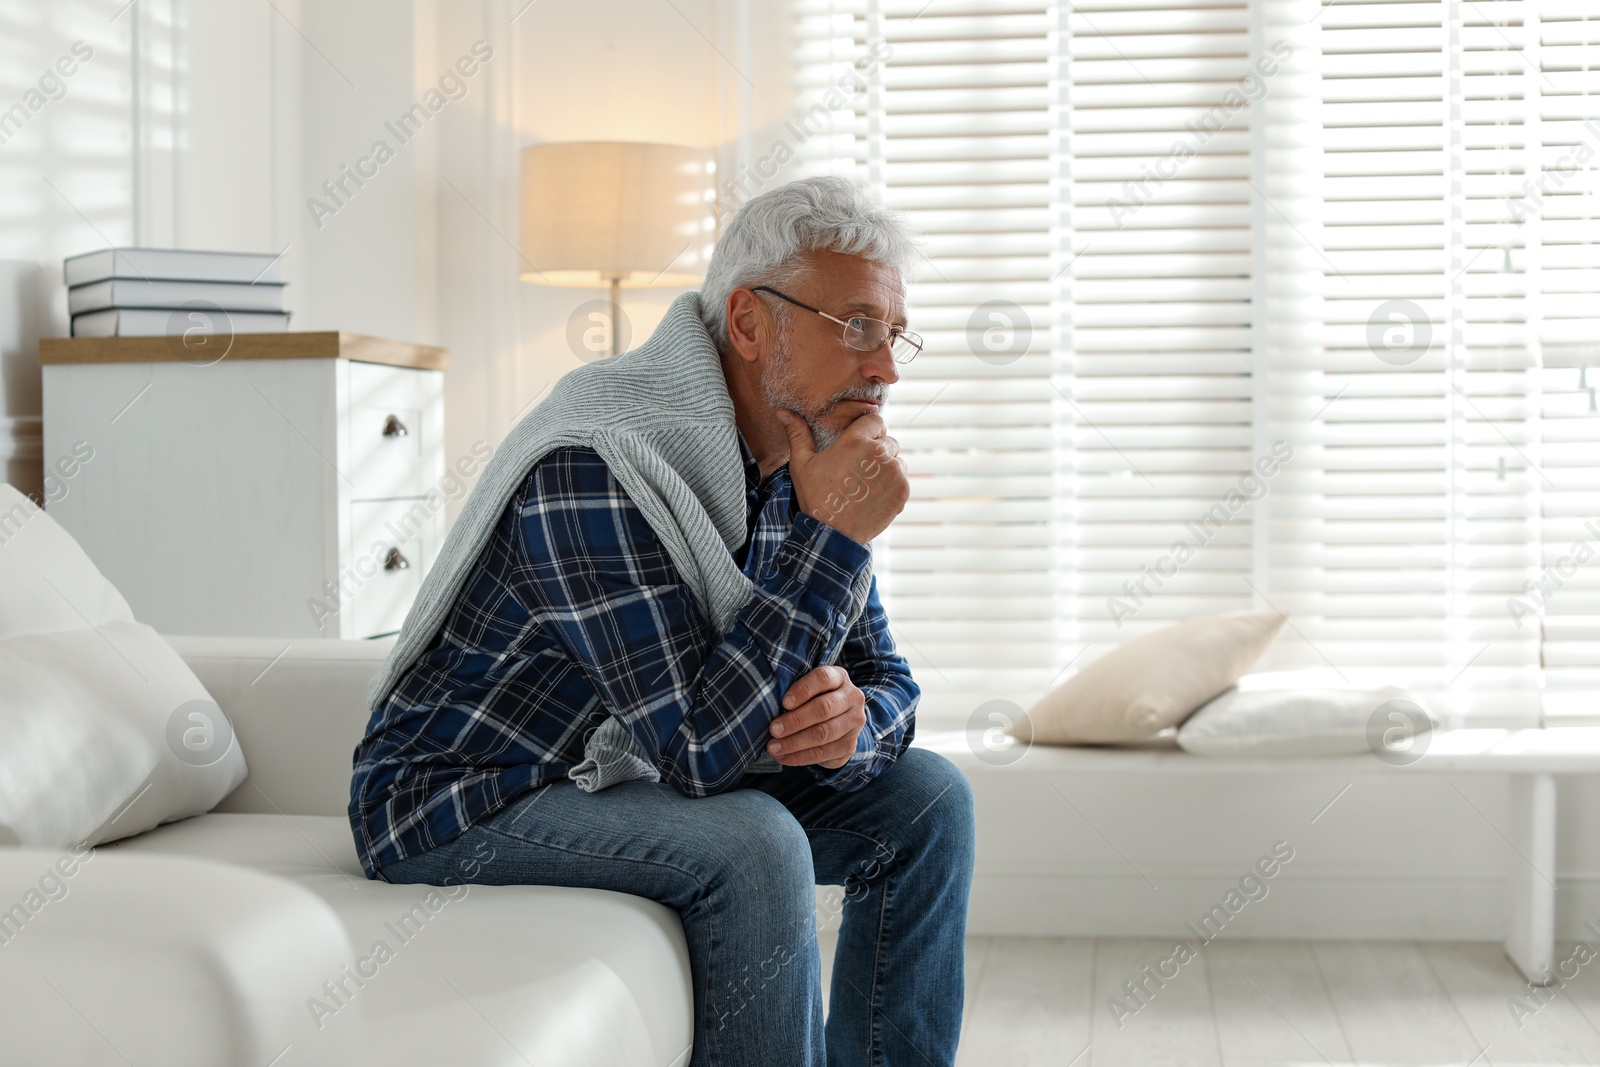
(104, 730)
(1151, 683)
(1307, 722)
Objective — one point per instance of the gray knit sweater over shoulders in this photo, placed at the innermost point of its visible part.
(661, 418)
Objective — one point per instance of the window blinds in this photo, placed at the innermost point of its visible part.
(1562, 232)
(961, 134)
(1231, 305)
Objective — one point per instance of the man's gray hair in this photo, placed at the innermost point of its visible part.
(764, 242)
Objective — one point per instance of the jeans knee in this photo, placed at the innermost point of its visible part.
(945, 810)
(766, 857)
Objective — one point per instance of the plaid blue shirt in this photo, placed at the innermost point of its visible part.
(573, 612)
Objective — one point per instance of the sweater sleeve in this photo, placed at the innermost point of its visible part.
(597, 577)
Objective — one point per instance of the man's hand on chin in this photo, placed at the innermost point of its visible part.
(823, 715)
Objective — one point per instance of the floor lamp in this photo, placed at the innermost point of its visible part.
(616, 213)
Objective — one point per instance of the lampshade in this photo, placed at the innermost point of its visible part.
(595, 212)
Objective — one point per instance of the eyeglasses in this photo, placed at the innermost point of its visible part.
(862, 333)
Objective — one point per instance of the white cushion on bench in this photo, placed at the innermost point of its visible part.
(1303, 722)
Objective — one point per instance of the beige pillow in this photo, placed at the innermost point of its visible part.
(1151, 683)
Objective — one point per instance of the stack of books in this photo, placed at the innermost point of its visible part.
(151, 292)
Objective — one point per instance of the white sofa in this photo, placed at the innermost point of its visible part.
(250, 936)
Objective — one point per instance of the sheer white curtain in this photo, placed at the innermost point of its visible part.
(1233, 306)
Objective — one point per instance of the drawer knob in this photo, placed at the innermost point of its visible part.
(393, 427)
(394, 561)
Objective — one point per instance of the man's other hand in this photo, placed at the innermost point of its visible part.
(823, 715)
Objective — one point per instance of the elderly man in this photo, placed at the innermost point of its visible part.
(651, 657)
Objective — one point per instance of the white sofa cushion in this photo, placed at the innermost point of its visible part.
(567, 976)
(104, 731)
(177, 961)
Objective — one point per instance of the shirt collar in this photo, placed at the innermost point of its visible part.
(752, 469)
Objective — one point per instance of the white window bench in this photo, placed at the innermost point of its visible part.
(1530, 758)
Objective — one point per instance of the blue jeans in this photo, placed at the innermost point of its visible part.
(739, 868)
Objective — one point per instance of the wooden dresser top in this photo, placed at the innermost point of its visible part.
(314, 344)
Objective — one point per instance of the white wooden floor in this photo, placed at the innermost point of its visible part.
(1035, 1001)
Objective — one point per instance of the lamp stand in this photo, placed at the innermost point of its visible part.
(616, 309)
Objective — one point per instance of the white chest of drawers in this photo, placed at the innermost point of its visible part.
(294, 488)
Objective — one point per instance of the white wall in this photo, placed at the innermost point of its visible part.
(209, 124)
(202, 124)
(215, 125)
(66, 179)
(695, 72)
(369, 267)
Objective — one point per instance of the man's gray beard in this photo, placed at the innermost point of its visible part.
(780, 389)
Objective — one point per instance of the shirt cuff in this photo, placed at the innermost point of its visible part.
(824, 560)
